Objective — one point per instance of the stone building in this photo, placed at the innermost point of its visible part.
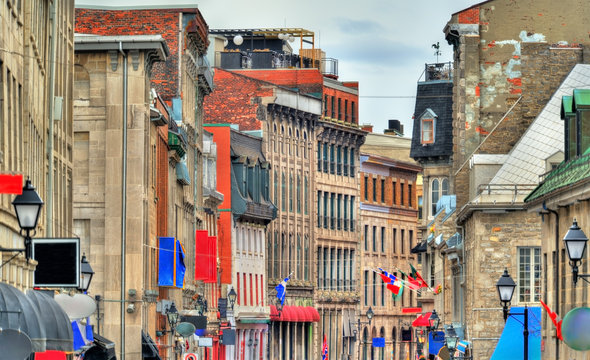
(560, 198)
(112, 89)
(337, 227)
(176, 153)
(389, 227)
(35, 120)
(500, 48)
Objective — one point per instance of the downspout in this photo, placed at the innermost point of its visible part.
(123, 200)
(52, 58)
(556, 270)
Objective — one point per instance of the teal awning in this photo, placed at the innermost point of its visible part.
(254, 321)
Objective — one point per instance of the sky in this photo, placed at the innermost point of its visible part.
(382, 44)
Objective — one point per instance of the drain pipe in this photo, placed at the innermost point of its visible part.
(556, 270)
(52, 58)
(123, 200)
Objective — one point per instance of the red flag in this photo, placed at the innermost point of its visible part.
(385, 279)
(555, 318)
(211, 260)
(413, 284)
(325, 349)
(393, 288)
(202, 255)
(11, 184)
(416, 276)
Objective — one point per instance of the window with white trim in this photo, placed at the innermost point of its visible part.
(529, 274)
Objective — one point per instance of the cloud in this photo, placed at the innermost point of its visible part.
(352, 26)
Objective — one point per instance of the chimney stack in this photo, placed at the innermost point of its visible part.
(395, 128)
(367, 127)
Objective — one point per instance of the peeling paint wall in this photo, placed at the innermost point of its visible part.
(488, 57)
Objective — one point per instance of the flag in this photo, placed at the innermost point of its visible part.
(325, 349)
(398, 296)
(11, 184)
(555, 318)
(281, 289)
(462, 346)
(393, 283)
(416, 276)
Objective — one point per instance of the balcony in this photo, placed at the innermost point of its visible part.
(205, 73)
(438, 72)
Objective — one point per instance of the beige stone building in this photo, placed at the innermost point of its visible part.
(389, 228)
(115, 171)
(36, 60)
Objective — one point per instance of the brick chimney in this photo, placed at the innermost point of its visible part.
(367, 127)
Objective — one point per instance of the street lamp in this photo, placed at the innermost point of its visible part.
(231, 296)
(575, 242)
(201, 305)
(505, 286)
(451, 337)
(369, 315)
(27, 207)
(433, 321)
(87, 273)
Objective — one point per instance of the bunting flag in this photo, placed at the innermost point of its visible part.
(325, 349)
(415, 275)
(398, 296)
(555, 318)
(393, 283)
(281, 289)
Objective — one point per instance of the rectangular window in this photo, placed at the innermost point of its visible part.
(410, 239)
(366, 238)
(374, 286)
(320, 272)
(529, 274)
(352, 169)
(319, 209)
(306, 194)
(339, 109)
(326, 105)
(401, 241)
(352, 112)
(332, 210)
(239, 289)
(352, 213)
(382, 293)
(410, 195)
(374, 189)
(338, 277)
(345, 208)
(326, 264)
(345, 161)
(374, 238)
(332, 162)
(382, 190)
(326, 158)
(325, 210)
(427, 131)
(333, 115)
(351, 268)
(394, 240)
(393, 190)
(339, 212)
(584, 121)
(401, 194)
(257, 297)
(346, 110)
(332, 269)
(339, 160)
(319, 156)
(366, 188)
(345, 270)
(245, 287)
(420, 207)
(366, 286)
(382, 239)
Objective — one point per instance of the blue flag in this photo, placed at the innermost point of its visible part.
(77, 335)
(281, 289)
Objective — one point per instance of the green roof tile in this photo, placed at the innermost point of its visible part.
(566, 174)
(566, 106)
(581, 99)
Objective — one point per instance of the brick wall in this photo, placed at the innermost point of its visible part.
(306, 80)
(236, 100)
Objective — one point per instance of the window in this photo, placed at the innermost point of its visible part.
(584, 121)
(410, 195)
(394, 240)
(366, 288)
(333, 115)
(366, 188)
(439, 187)
(345, 161)
(374, 286)
(326, 158)
(332, 218)
(366, 237)
(352, 213)
(420, 207)
(332, 162)
(339, 160)
(326, 105)
(401, 241)
(339, 212)
(306, 194)
(283, 193)
(290, 192)
(325, 210)
(345, 208)
(319, 209)
(298, 194)
(427, 130)
(352, 170)
(346, 110)
(382, 190)
(529, 274)
(352, 112)
(319, 156)
(401, 193)
(374, 238)
(393, 190)
(374, 189)
(339, 109)
(382, 239)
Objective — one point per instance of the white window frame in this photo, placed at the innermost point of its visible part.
(534, 262)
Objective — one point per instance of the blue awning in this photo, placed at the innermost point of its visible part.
(512, 339)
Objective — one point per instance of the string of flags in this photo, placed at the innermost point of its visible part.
(414, 282)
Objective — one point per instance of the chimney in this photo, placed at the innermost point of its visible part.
(367, 127)
(395, 128)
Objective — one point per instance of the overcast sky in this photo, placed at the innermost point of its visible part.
(382, 44)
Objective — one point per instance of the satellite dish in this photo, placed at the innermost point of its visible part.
(225, 42)
(15, 345)
(185, 329)
(238, 40)
(78, 306)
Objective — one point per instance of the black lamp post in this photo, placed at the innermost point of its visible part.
(86, 272)
(575, 242)
(505, 286)
(451, 337)
(232, 296)
(369, 315)
(433, 321)
(172, 315)
(28, 208)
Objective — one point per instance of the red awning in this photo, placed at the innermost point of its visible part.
(295, 314)
(422, 320)
(50, 355)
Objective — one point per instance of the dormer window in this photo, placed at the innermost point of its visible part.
(427, 126)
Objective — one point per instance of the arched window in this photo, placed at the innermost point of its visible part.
(445, 187)
(382, 350)
(365, 343)
(435, 195)
(394, 341)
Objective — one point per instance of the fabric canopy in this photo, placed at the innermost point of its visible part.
(422, 320)
(512, 340)
(295, 314)
(17, 311)
(149, 349)
(57, 324)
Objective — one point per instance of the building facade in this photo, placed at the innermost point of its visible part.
(389, 227)
(36, 120)
(337, 229)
